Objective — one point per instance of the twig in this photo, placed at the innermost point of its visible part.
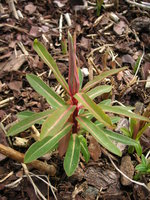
(60, 27)
(12, 8)
(5, 101)
(37, 191)
(48, 183)
(144, 6)
(14, 27)
(6, 177)
(136, 182)
(15, 155)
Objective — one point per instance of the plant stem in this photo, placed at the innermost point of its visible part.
(75, 114)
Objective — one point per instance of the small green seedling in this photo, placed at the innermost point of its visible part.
(135, 131)
(143, 167)
(99, 4)
(65, 125)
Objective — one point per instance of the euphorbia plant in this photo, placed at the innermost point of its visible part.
(66, 123)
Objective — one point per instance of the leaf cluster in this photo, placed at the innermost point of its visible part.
(66, 123)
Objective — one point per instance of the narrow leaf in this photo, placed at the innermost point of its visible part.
(72, 155)
(99, 135)
(142, 131)
(80, 77)
(99, 90)
(122, 111)
(84, 148)
(56, 121)
(113, 121)
(48, 59)
(100, 77)
(95, 110)
(40, 148)
(73, 79)
(28, 122)
(119, 138)
(41, 88)
(24, 114)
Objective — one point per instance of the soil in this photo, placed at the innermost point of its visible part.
(118, 37)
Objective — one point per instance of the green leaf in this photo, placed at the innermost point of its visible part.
(137, 64)
(99, 90)
(56, 121)
(98, 134)
(138, 148)
(80, 77)
(42, 147)
(24, 114)
(113, 121)
(122, 111)
(72, 155)
(95, 110)
(120, 138)
(28, 122)
(105, 102)
(133, 123)
(126, 132)
(48, 59)
(99, 4)
(144, 161)
(41, 88)
(84, 148)
(141, 168)
(100, 77)
(142, 131)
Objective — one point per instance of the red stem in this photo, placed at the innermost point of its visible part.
(75, 114)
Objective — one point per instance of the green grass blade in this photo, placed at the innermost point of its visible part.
(100, 77)
(99, 135)
(99, 114)
(72, 155)
(40, 148)
(41, 88)
(56, 121)
(99, 90)
(28, 122)
(48, 59)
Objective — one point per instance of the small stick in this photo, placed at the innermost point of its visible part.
(15, 155)
(12, 8)
(144, 6)
(6, 100)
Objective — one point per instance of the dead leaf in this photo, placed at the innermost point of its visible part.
(145, 70)
(30, 8)
(34, 31)
(84, 43)
(94, 149)
(63, 145)
(15, 85)
(127, 59)
(120, 76)
(13, 63)
(119, 28)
